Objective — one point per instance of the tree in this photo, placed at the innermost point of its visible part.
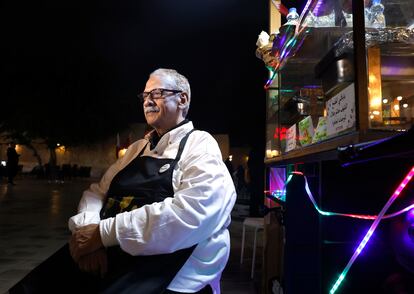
(70, 105)
(23, 139)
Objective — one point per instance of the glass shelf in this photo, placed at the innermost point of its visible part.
(321, 90)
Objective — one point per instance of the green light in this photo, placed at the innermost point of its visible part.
(338, 282)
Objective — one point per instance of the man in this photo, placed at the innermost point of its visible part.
(157, 221)
(12, 163)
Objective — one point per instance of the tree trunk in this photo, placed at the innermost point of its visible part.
(53, 170)
(52, 159)
(35, 153)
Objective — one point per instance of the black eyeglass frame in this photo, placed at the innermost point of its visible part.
(144, 95)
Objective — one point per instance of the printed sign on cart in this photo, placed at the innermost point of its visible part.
(341, 111)
(291, 138)
(306, 131)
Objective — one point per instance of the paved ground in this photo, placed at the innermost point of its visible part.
(33, 217)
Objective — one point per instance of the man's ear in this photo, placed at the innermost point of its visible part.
(184, 101)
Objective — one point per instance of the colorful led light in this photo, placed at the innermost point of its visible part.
(286, 44)
(305, 11)
(330, 213)
(371, 230)
(270, 80)
(279, 194)
(410, 216)
(282, 193)
(291, 42)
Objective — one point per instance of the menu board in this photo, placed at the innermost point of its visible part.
(341, 111)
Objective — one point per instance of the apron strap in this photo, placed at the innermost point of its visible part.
(181, 147)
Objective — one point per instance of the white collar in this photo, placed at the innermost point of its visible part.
(173, 135)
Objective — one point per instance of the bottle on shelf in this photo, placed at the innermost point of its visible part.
(376, 18)
(292, 17)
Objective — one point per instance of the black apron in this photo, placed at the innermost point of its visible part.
(144, 180)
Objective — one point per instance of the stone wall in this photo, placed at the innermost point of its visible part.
(98, 156)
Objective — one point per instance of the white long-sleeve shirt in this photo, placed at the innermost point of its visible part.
(199, 212)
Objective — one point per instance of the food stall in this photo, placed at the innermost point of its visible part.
(339, 146)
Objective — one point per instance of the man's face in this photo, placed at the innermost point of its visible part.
(164, 113)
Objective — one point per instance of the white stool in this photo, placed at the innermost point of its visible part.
(257, 223)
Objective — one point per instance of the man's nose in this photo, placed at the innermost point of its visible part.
(148, 101)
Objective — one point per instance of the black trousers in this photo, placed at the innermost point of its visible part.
(126, 274)
(11, 173)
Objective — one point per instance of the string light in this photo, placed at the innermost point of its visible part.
(371, 230)
(270, 80)
(281, 195)
(290, 42)
(290, 46)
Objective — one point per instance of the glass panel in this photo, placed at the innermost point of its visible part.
(390, 59)
(316, 94)
(273, 133)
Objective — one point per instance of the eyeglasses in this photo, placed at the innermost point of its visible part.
(158, 93)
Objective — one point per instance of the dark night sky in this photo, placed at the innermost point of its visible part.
(99, 54)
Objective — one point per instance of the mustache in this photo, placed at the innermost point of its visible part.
(148, 109)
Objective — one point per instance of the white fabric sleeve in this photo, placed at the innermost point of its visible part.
(93, 198)
(107, 231)
(200, 207)
(88, 210)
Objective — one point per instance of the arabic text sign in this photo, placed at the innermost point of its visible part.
(341, 111)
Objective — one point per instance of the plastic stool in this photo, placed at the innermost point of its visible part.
(257, 223)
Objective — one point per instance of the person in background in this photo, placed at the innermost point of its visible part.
(12, 163)
(239, 178)
(157, 221)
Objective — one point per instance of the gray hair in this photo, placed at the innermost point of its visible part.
(180, 82)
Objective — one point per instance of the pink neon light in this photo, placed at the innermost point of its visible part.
(351, 215)
(374, 225)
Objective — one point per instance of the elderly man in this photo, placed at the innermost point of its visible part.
(157, 221)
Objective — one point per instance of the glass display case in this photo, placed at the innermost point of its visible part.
(339, 74)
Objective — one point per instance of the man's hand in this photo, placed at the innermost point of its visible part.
(94, 263)
(85, 240)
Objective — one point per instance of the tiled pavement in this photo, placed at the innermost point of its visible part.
(33, 218)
